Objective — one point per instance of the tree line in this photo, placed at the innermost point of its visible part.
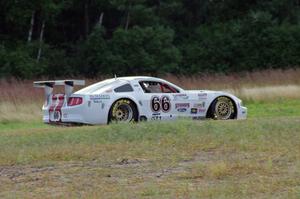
(132, 37)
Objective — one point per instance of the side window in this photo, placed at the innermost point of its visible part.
(124, 88)
(150, 87)
(157, 87)
(168, 89)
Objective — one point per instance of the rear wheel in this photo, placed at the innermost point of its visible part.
(223, 109)
(123, 110)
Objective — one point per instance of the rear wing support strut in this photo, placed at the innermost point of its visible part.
(68, 84)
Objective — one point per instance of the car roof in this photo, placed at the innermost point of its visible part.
(144, 78)
(95, 88)
(148, 78)
(130, 78)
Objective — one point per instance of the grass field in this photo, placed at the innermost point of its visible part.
(255, 158)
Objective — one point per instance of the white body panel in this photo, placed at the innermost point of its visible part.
(98, 99)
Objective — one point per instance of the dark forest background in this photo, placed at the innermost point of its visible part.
(133, 37)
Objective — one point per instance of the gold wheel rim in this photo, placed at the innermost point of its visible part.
(123, 113)
(223, 110)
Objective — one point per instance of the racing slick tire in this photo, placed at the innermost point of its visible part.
(223, 108)
(123, 110)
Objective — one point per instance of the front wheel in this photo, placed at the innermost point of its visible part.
(123, 110)
(223, 109)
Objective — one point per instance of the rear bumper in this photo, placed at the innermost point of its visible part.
(81, 114)
(67, 115)
(69, 119)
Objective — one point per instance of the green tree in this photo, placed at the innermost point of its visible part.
(93, 54)
(147, 50)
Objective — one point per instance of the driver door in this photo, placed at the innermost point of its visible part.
(158, 99)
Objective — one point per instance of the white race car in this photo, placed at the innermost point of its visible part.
(126, 99)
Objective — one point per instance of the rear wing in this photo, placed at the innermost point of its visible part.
(48, 85)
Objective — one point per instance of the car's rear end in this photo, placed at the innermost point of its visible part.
(62, 108)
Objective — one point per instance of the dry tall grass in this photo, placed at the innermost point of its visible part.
(238, 80)
(19, 101)
(256, 86)
(268, 93)
(16, 91)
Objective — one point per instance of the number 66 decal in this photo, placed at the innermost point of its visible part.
(162, 103)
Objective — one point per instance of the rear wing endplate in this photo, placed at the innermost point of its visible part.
(48, 85)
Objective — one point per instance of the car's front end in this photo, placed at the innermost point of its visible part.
(242, 111)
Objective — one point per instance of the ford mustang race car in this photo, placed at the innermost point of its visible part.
(126, 99)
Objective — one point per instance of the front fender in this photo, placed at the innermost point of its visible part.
(236, 102)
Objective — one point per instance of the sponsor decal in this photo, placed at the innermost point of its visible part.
(99, 97)
(180, 97)
(89, 103)
(199, 105)
(65, 115)
(182, 105)
(182, 110)
(202, 110)
(194, 111)
(156, 116)
(136, 85)
(202, 95)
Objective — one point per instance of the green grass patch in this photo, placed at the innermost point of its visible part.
(8, 126)
(29, 145)
(273, 108)
(254, 158)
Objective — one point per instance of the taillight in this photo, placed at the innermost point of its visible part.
(74, 101)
